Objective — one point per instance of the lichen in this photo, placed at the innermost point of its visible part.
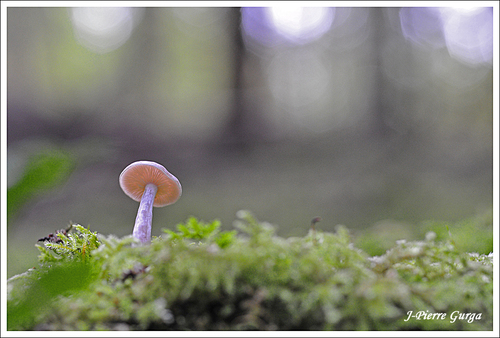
(203, 278)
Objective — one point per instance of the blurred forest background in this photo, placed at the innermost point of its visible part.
(375, 118)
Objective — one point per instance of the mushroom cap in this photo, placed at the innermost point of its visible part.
(136, 176)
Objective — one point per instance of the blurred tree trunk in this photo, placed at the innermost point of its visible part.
(393, 105)
(380, 108)
(244, 126)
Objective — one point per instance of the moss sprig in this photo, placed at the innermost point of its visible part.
(70, 245)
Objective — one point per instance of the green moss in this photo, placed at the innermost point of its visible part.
(473, 234)
(202, 278)
(470, 235)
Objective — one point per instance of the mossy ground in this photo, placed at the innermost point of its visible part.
(202, 278)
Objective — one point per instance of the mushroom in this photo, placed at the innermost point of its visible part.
(152, 185)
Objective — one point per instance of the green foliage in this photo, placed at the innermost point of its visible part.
(199, 230)
(201, 278)
(31, 300)
(69, 245)
(43, 172)
(65, 268)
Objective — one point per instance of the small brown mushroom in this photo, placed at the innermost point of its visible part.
(152, 185)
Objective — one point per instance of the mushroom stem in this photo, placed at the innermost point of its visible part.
(144, 219)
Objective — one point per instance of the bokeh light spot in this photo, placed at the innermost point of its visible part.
(301, 25)
(467, 33)
(276, 26)
(422, 26)
(104, 29)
